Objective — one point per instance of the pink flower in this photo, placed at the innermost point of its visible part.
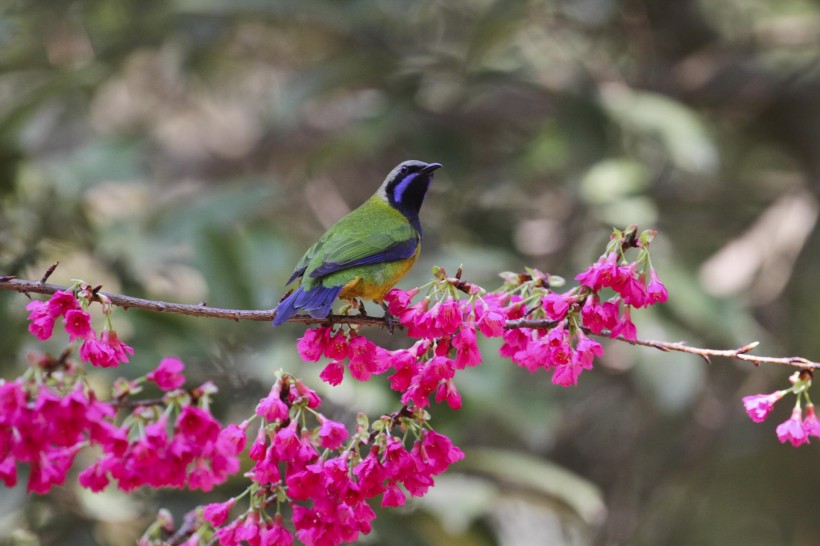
(625, 328)
(585, 351)
(811, 424)
(336, 347)
(468, 353)
(447, 317)
(42, 321)
(333, 373)
(62, 302)
(631, 289)
(591, 277)
(306, 393)
(759, 406)
(198, 425)
(312, 344)
(276, 534)
(447, 391)
(118, 348)
(656, 291)
(490, 323)
(792, 430)
(393, 496)
(398, 300)
(272, 408)
(332, 434)
(597, 317)
(286, 443)
(78, 324)
(566, 375)
(98, 353)
(556, 305)
(168, 374)
(217, 513)
(362, 357)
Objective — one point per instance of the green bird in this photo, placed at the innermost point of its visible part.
(367, 252)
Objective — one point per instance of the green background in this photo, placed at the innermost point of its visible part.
(190, 151)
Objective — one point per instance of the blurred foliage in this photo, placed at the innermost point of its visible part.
(191, 150)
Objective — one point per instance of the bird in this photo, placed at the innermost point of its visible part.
(367, 252)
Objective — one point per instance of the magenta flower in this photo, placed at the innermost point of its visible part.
(62, 302)
(98, 353)
(362, 362)
(286, 442)
(656, 291)
(447, 317)
(118, 348)
(468, 353)
(811, 424)
(276, 534)
(490, 323)
(585, 351)
(398, 300)
(168, 374)
(556, 305)
(447, 391)
(272, 407)
(332, 434)
(592, 276)
(78, 324)
(336, 347)
(758, 406)
(42, 321)
(625, 328)
(217, 513)
(333, 373)
(312, 344)
(792, 430)
(631, 289)
(566, 375)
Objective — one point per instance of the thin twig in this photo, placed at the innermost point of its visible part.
(127, 302)
(49, 271)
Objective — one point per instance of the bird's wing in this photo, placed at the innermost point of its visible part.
(354, 253)
(368, 235)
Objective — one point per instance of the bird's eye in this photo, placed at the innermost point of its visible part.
(404, 169)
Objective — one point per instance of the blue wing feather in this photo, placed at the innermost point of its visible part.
(398, 251)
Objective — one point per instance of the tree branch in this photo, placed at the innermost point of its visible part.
(127, 302)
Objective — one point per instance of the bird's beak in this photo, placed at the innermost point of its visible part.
(430, 168)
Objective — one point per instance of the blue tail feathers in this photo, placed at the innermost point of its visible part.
(317, 302)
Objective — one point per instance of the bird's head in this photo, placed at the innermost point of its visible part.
(406, 185)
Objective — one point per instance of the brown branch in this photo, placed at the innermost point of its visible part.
(126, 302)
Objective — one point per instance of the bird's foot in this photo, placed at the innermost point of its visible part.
(389, 319)
(362, 311)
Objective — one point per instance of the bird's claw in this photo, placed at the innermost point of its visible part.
(389, 319)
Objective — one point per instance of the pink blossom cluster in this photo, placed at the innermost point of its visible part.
(446, 328)
(44, 422)
(186, 447)
(329, 491)
(105, 351)
(45, 428)
(797, 429)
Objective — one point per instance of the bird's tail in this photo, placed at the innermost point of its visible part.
(317, 302)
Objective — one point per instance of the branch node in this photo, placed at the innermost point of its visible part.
(747, 348)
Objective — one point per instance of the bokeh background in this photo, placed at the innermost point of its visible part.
(191, 150)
